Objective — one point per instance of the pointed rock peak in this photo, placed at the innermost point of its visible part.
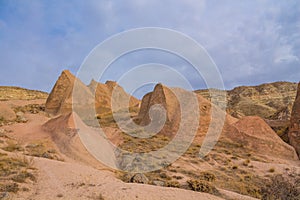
(159, 85)
(68, 74)
(60, 100)
(93, 84)
(111, 83)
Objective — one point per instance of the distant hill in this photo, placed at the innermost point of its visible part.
(18, 93)
(270, 100)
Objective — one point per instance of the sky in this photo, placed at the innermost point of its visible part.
(250, 41)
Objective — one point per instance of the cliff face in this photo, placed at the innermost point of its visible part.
(270, 101)
(294, 130)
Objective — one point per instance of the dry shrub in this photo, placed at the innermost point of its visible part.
(282, 187)
(202, 186)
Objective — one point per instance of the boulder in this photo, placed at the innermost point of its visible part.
(6, 113)
(139, 178)
(21, 118)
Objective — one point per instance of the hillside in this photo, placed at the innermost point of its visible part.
(17, 93)
(57, 154)
(269, 101)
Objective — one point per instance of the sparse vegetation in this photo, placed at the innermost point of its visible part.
(202, 186)
(100, 197)
(9, 187)
(235, 167)
(60, 195)
(12, 146)
(271, 170)
(246, 162)
(281, 187)
(22, 176)
(207, 176)
(14, 170)
(172, 184)
(41, 149)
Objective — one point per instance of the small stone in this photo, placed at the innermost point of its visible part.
(159, 183)
(20, 114)
(2, 131)
(22, 119)
(4, 195)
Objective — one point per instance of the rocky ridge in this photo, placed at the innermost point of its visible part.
(18, 93)
(270, 100)
(294, 130)
(97, 95)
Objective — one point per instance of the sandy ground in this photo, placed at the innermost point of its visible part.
(73, 179)
(61, 180)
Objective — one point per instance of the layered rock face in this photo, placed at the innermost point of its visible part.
(96, 95)
(60, 98)
(269, 101)
(294, 130)
(168, 99)
(108, 93)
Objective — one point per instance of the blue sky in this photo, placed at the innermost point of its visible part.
(251, 41)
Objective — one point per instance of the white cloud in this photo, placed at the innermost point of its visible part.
(250, 41)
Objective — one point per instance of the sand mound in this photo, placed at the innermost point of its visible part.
(68, 131)
(254, 133)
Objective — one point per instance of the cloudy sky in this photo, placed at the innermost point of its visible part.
(251, 41)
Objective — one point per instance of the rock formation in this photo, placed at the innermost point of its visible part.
(294, 130)
(253, 133)
(61, 98)
(6, 113)
(163, 96)
(104, 94)
(269, 101)
(168, 99)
